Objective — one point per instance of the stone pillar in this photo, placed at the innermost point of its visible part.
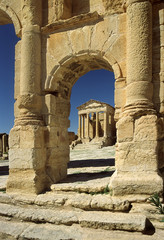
(79, 126)
(137, 132)
(82, 127)
(105, 124)
(139, 54)
(27, 150)
(4, 143)
(97, 124)
(1, 146)
(87, 126)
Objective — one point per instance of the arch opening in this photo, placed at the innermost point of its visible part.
(58, 90)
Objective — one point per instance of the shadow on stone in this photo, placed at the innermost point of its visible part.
(4, 170)
(83, 177)
(91, 163)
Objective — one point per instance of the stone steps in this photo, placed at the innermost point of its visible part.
(68, 217)
(99, 202)
(11, 230)
(88, 146)
(71, 216)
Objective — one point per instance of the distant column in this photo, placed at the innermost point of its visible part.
(1, 148)
(105, 124)
(97, 124)
(79, 126)
(87, 127)
(4, 142)
(82, 128)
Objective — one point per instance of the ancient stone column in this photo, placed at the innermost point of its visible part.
(82, 127)
(139, 54)
(97, 124)
(4, 143)
(137, 130)
(27, 149)
(29, 101)
(1, 146)
(79, 126)
(87, 126)
(105, 124)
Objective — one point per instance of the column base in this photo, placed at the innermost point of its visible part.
(27, 159)
(139, 107)
(27, 181)
(136, 183)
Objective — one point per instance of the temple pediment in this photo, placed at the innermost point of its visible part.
(93, 104)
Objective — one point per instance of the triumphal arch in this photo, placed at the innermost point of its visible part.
(61, 40)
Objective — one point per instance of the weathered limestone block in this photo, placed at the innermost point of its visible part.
(27, 171)
(27, 158)
(80, 39)
(56, 165)
(146, 128)
(27, 181)
(120, 93)
(58, 45)
(104, 34)
(113, 6)
(14, 138)
(125, 129)
(133, 157)
(127, 183)
(117, 52)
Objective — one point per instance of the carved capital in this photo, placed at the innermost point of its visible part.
(127, 3)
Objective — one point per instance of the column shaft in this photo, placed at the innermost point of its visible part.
(87, 126)
(97, 124)
(139, 53)
(105, 124)
(79, 126)
(29, 101)
(82, 128)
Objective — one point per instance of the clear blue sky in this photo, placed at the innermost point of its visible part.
(98, 84)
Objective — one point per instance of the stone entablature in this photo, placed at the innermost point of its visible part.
(96, 122)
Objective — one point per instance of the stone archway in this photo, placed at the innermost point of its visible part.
(58, 92)
(8, 15)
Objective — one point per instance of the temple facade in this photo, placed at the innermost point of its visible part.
(96, 123)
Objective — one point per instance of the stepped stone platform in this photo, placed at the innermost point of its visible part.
(80, 207)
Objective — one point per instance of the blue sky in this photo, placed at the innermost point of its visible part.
(98, 84)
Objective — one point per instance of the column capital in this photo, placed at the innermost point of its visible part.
(127, 3)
